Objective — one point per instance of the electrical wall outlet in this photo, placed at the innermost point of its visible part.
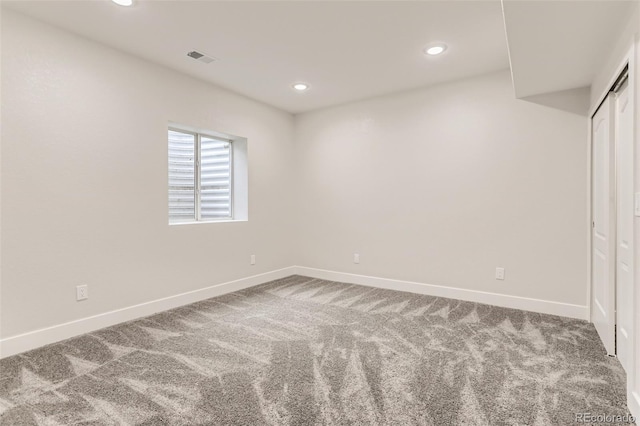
(82, 292)
(499, 273)
(253, 259)
(356, 258)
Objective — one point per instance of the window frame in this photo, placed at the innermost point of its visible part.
(197, 176)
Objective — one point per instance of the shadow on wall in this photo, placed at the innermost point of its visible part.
(575, 101)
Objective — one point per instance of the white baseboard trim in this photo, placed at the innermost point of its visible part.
(34, 339)
(503, 300)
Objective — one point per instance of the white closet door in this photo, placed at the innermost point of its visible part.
(624, 253)
(603, 301)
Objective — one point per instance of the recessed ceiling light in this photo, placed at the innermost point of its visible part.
(435, 49)
(301, 87)
(123, 2)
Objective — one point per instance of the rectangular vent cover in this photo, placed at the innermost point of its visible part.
(201, 57)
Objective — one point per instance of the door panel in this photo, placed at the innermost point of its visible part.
(624, 221)
(604, 231)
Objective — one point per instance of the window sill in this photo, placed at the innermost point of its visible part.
(204, 222)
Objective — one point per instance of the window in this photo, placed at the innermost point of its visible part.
(200, 177)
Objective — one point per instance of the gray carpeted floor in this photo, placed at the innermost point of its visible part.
(302, 351)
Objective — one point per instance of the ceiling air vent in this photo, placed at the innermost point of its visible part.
(201, 57)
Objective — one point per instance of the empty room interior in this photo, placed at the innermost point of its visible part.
(319, 212)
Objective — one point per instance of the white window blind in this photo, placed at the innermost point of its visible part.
(182, 182)
(215, 178)
(200, 177)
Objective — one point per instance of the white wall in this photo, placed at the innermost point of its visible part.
(441, 185)
(84, 180)
(617, 52)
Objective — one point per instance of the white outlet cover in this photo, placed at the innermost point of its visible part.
(636, 204)
(82, 292)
